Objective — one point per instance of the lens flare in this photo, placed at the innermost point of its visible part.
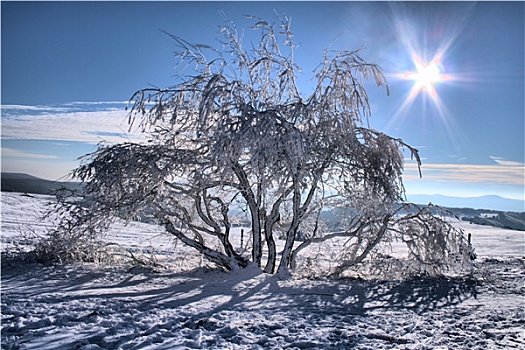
(424, 62)
(427, 75)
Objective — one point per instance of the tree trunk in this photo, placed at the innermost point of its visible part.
(252, 203)
(256, 238)
(272, 250)
(212, 255)
(292, 230)
(270, 222)
(285, 263)
(298, 214)
(237, 260)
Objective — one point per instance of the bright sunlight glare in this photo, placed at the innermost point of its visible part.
(426, 76)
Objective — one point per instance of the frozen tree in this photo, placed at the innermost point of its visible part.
(235, 135)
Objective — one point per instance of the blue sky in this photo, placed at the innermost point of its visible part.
(69, 67)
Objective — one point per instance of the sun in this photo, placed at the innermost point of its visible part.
(426, 79)
(426, 76)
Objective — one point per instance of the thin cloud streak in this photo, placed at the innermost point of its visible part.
(10, 152)
(96, 103)
(91, 127)
(503, 161)
(33, 108)
(506, 173)
(63, 107)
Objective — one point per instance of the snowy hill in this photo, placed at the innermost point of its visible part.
(491, 202)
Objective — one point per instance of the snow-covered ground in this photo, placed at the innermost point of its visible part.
(182, 306)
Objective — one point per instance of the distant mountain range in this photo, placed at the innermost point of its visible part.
(16, 182)
(491, 202)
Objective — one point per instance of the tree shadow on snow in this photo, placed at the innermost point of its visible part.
(216, 292)
(197, 299)
(419, 295)
(357, 296)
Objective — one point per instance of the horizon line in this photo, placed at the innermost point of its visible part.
(66, 177)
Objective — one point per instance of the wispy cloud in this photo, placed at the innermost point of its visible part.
(504, 172)
(9, 152)
(85, 126)
(503, 161)
(63, 107)
(96, 103)
(7, 108)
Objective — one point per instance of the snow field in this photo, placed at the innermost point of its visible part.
(187, 305)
